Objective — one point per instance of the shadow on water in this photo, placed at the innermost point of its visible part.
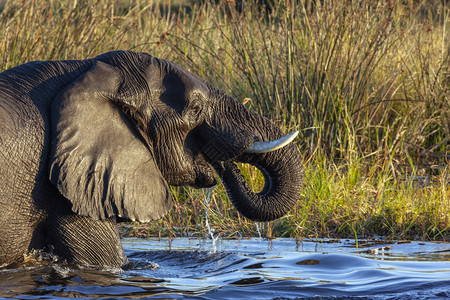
(250, 268)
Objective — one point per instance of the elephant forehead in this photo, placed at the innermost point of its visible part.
(172, 76)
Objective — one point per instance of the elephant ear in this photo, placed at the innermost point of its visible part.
(98, 159)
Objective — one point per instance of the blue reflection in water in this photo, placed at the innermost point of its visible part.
(248, 268)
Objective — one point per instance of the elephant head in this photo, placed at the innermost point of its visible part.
(134, 124)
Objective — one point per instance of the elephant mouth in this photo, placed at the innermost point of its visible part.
(200, 175)
(204, 175)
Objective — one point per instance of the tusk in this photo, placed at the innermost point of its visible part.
(262, 147)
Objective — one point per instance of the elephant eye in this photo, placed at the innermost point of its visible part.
(192, 113)
(196, 109)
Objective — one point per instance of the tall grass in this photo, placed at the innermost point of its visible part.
(367, 83)
(351, 76)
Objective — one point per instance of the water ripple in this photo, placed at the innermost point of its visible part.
(249, 268)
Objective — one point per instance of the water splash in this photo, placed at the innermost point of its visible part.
(259, 226)
(210, 231)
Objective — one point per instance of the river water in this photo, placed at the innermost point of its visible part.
(246, 269)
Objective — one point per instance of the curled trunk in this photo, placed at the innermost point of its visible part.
(283, 175)
(237, 134)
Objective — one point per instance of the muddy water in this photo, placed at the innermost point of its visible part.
(250, 268)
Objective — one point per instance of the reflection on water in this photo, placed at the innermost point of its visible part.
(250, 268)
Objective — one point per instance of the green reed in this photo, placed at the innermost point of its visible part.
(367, 84)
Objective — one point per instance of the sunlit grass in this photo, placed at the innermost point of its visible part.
(367, 84)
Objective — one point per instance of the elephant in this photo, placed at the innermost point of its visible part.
(85, 144)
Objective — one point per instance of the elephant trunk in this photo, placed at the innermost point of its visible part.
(283, 175)
(237, 134)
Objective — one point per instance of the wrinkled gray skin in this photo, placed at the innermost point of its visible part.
(85, 142)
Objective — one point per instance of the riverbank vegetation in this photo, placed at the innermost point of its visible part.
(366, 83)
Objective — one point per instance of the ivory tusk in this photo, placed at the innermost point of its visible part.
(262, 147)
